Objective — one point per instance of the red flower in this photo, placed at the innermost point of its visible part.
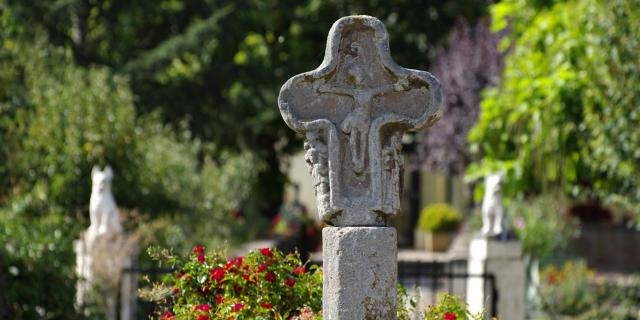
(266, 252)
(237, 307)
(180, 275)
(239, 262)
(176, 291)
(262, 267)
(217, 274)
(246, 277)
(219, 299)
(167, 316)
(238, 288)
(266, 305)
(198, 249)
(290, 282)
(229, 264)
(203, 317)
(201, 258)
(270, 276)
(202, 307)
(299, 270)
(450, 316)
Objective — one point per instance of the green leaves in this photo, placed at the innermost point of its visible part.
(564, 114)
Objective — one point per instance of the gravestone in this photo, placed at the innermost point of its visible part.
(353, 110)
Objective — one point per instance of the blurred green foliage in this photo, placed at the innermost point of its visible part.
(540, 225)
(573, 291)
(57, 120)
(178, 96)
(565, 116)
(36, 262)
(219, 64)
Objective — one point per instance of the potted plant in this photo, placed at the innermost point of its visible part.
(436, 225)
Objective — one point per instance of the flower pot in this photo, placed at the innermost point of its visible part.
(430, 241)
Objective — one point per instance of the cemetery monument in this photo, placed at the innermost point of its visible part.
(353, 110)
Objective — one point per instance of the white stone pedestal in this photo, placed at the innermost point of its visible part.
(99, 266)
(360, 273)
(504, 260)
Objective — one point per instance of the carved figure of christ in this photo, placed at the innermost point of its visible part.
(356, 124)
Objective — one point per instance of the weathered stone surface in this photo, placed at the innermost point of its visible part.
(353, 110)
(360, 273)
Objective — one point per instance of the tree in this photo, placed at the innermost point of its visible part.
(565, 116)
(219, 64)
(470, 62)
(57, 120)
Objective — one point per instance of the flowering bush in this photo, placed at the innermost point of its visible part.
(450, 307)
(264, 284)
(566, 290)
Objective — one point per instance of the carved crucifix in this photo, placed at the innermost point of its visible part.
(353, 111)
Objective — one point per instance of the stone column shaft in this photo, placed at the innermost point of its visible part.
(360, 273)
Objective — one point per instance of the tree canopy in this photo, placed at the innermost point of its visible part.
(218, 65)
(565, 116)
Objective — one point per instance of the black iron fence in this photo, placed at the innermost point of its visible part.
(451, 276)
(430, 277)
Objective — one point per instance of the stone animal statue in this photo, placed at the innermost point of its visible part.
(493, 219)
(103, 211)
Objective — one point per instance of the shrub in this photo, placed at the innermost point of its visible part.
(264, 284)
(450, 307)
(566, 291)
(36, 263)
(439, 217)
(540, 225)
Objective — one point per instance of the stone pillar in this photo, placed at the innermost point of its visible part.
(353, 110)
(503, 259)
(360, 273)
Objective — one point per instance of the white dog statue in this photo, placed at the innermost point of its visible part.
(492, 208)
(103, 211)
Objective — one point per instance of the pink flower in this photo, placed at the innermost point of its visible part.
(201, 258)
(217, 274)
(290, 282)
(237, 307)
(198, 249)
(270, 276)
(167, 316)
(202, 307)
(262, 267)
(450, 316)
(266, 252)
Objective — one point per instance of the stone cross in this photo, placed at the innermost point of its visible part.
(353, 110)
